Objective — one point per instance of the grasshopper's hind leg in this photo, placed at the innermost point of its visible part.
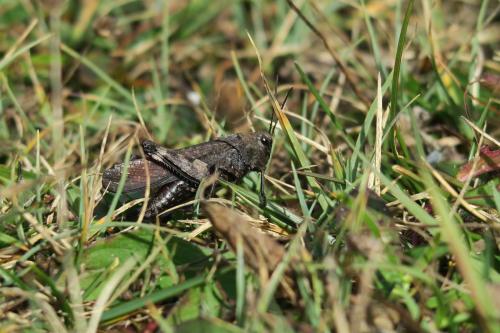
(169, 196)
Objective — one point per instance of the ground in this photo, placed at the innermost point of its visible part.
(382, 188)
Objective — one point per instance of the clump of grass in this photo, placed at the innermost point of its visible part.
(383, 199)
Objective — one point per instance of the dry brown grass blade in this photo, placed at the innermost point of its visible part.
(48, 313)
(374, 181)
(481, 131)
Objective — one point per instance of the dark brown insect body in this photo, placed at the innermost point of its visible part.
(175, 174)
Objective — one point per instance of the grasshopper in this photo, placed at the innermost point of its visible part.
(175, 174)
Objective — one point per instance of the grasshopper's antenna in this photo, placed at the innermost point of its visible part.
(289, 91)
(273, 122)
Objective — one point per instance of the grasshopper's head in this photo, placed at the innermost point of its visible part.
(257, 150)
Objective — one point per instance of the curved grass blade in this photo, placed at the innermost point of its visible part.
(160, 295)
(97, 71)
(397, 68)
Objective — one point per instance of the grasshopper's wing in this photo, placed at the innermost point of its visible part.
(136, 180)
(211, 152)
(179, 162)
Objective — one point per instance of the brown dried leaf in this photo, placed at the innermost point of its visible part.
(261, 252)
(487, 161)
(491, 81)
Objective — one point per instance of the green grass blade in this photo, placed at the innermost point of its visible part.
(158, 296)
